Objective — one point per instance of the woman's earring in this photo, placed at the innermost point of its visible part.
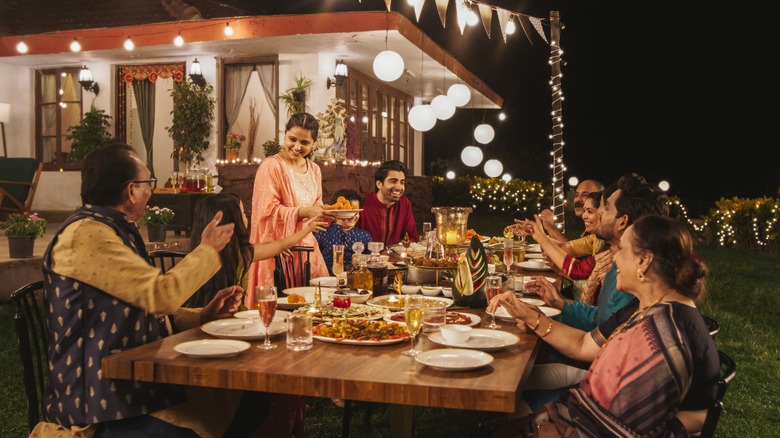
(640, 275)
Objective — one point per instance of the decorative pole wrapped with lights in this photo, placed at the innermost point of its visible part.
(558, 167)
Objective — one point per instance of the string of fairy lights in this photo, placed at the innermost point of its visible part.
(558, 166)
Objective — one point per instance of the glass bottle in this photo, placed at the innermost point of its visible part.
(362, 278)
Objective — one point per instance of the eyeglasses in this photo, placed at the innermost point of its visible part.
(152, 182)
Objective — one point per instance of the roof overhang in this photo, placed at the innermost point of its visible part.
(355, 37)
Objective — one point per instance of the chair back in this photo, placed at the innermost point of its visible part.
(712, 326)
(728, 369)
(31, 329)
(165, 259)
(18, 183)
(295, 271)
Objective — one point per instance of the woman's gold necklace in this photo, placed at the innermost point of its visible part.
(641, 312)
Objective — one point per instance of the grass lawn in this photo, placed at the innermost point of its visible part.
(744, 298)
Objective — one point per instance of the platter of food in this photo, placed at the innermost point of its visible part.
(451, 318)
(362, 311)
(360, 332)
(396, 302)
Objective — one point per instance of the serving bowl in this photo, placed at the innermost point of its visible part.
(410, 289)
(456, 333)
(446, 291)
(431, 291)
(354, 296)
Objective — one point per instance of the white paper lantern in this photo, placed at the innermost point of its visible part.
(506, 177)
(459, 94)
(493, 168)
(443, 107)
(450, 174)
(388, 66)
(422, 118)
(471, 156)
(484, 133)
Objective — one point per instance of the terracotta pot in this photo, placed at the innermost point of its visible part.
(231, 154)
(156, 233)
(21, 247)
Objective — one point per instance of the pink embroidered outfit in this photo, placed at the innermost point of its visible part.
(279, 192)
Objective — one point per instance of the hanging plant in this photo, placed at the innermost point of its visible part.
(294, 99)
(90, 134)
(193, 113)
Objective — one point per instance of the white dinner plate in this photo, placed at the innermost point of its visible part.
(533, 247)
(503, 315)
(280, 315)
(480, 339)
(209, 348)
(454, 359)
(527, 265)
(306, 292)
(244, 329)
(533, 301)
(398, 317)
(534, 255)
(344, 214)
(325, 281)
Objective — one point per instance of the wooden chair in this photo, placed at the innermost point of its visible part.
(295, 271)
(712, 325)
(165, 259)
(31, 329)
(728, 370)
(18, 184)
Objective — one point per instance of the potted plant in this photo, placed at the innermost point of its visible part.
(294, 98)
(156, 219)
(232, 145)
(271, 147)
(193, 113)
(91, 133)
(22, 230)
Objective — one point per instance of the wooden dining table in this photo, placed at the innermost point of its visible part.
(334, 370)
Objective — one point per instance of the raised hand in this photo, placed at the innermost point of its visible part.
(215, 235)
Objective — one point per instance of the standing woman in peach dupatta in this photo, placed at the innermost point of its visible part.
(287, 191)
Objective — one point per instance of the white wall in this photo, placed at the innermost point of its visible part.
(16, 88)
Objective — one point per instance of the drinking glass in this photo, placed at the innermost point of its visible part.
(433, 318)
(299, 337)
(427, 227)
(413, 314)
(265, 298)
(338, 260)
(492, 289)
(508, 255)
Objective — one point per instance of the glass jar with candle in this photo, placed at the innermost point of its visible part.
(451, 226)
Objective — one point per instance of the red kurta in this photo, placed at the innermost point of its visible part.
(385, 224)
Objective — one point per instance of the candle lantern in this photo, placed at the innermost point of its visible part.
(451, 226)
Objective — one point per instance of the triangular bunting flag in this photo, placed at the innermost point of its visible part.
(418, 9)
(462, 13)
(487, 16)
(503, 19)
(441, 6)
(537, 23)
(521, 19)
(387, 3)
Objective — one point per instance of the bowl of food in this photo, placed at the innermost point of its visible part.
(357, 296)
(455, 333)
(430, 291)
(410, 289)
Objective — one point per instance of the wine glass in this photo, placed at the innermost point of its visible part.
(508, 256)
(174, 179)
(338, 260)
(413, 314)
(265, 298)
(180, 179)
(492, 289)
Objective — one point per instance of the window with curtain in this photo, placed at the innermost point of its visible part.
(58, 106)
(379, 112)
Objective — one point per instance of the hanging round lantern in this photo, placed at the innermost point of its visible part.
(506, 177)
(493, 168)
(388, 66)
(471, 156)
(484, 133)
(459, 94)
(422, 118)
(443, 107)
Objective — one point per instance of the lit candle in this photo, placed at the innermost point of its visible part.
(451, 237)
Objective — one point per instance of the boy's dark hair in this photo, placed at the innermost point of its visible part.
(349, 194)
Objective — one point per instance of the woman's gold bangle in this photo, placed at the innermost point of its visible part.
(538, 320)
(549, 329)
